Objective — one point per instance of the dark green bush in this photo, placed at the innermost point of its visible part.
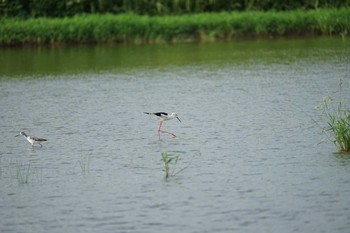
(63, 8)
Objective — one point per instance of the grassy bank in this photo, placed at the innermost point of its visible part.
(127, 28)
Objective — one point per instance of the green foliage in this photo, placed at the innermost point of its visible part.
(130, 28)
(167, 161)
(338, 119)
(64, 8)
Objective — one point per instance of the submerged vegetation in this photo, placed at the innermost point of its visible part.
(131, 28)
(338, 120)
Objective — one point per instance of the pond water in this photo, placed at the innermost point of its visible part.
(247, 141)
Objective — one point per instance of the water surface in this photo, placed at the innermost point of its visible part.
(247, 137)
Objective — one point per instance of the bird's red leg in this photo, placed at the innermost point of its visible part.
(168, 133)
(159, 130)
(160, 126)
(162, 131)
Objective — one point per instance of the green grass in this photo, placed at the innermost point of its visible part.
(338, 120)
(172, 161)
(129, 28)
(167, 161)
(23, 173)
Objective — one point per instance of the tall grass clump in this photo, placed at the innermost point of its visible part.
(338, 120)
(131, 28)
(170, 163)
(167, 161)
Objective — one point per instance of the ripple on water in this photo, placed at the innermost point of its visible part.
(250, 152)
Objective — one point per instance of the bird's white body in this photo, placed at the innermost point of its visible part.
(33, 140)
(163, 116)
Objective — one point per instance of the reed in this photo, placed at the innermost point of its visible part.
(173, 160)
(338, 120)
(84, 163)
(130, 28)
(167, 161)
(23, 173)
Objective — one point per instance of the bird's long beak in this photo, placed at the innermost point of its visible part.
(17, 135)
(178, 119)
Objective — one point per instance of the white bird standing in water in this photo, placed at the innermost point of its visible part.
(163, 116)
(31, 139)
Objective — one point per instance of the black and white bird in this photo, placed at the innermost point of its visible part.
(31, 139)
(163, 116)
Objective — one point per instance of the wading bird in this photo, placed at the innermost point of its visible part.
(33, 140)
(163, 116)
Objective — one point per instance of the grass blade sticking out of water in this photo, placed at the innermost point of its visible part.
(23, 173)
(84, 163)
(173, 161)
(338, 120)
(166, 161)
(0, 168)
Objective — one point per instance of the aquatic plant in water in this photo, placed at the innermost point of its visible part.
(338, 120)
(130, 163)
(23, 173)
(167, 161)
(84, 163)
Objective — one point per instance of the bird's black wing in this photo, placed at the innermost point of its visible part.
(161, 114)
(39, 139)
